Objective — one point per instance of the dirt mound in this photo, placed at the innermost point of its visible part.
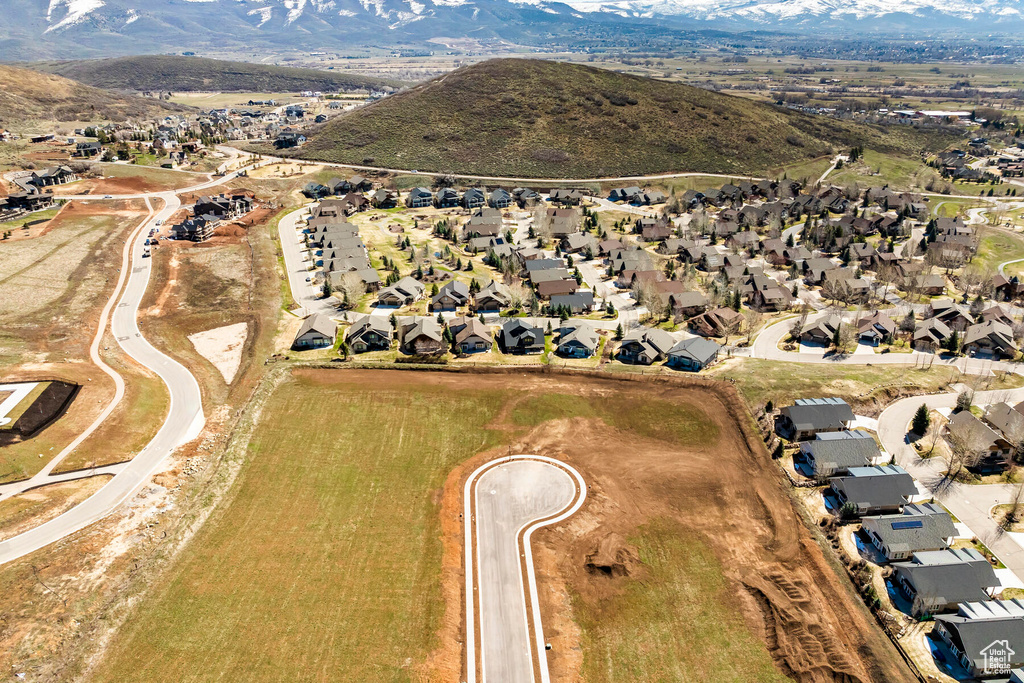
(229, 230)
(613, 557)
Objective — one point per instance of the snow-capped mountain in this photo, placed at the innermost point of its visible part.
(31, 29)
(39, 29)
(794, 14)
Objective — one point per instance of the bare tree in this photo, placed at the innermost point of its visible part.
(963, 452)
(350, 289)
(519, 296)
(1016, 509)
(752, 321)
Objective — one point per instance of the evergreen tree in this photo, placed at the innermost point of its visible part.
(921, 421)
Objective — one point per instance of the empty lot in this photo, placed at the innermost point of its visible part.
(337, 553)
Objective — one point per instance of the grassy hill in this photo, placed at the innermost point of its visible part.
(180, 74)
(549, 119)
(28, 97)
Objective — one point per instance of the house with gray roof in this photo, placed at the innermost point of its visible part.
(520, 337)
(369, 334)
(473, 198)
(419, 197)
(920, 528)
(977, 628)
(317, 331)
(499, 199)
(577, 340)
(877, 490)
(834, 453)
(492, 298)
(446, 198)
(451, 296)
(645, 346)
(991, 338)
(405, 291)
(694, 354)
(576, 303)
(808, 417)
(1007, 421)
(939, 580)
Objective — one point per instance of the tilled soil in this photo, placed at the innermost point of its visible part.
(727, 490)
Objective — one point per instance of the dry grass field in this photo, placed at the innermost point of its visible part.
(337, 551)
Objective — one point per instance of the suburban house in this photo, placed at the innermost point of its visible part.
(452, 295)
(446, 198)
(579, 243)
(369, 335)
(1007, 421)
(577, 340)
(224, 206)
(403, 292)
(316, 332)
(419, 197)
(493, 298)
(470, 335)
(566, 197)
(384, 199)
(693, 354)
(834, 453)
(576, 303)
(473, 198)
(931, 334)
(421, 336)
(717, 322)
(520, 337)
(485, 222)
(198, 229)
(920, 528)
(808, 417)
(877, 490)
(988, 451)
(875, 328)
(991, 338)
(985, 637)
(499, 199)
(820, 331)
(939, 580)
(624, 194)
(645, 346)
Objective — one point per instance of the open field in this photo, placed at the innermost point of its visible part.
(52, 289)
(865, 387)
(131, 179)
(997, 246)
(343, 553)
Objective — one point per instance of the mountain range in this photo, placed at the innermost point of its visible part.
(40, 29)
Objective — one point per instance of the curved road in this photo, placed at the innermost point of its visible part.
(969, 503)
(505, 502)
(185, 418)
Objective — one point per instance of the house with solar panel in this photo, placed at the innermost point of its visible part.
(919, 529)
(834, 453)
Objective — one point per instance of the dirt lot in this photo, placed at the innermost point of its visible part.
(688, 562)
(129, 179)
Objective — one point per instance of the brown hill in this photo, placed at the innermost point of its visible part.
(29, 98)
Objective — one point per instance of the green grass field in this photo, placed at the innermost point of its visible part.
(325, 562)
(998, 247)
(672, 625)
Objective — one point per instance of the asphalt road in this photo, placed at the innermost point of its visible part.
(766, 346)
(185, 418)
(503, 500)
(969, 503)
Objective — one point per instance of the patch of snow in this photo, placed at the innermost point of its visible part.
(265, 13)
(77, 10)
